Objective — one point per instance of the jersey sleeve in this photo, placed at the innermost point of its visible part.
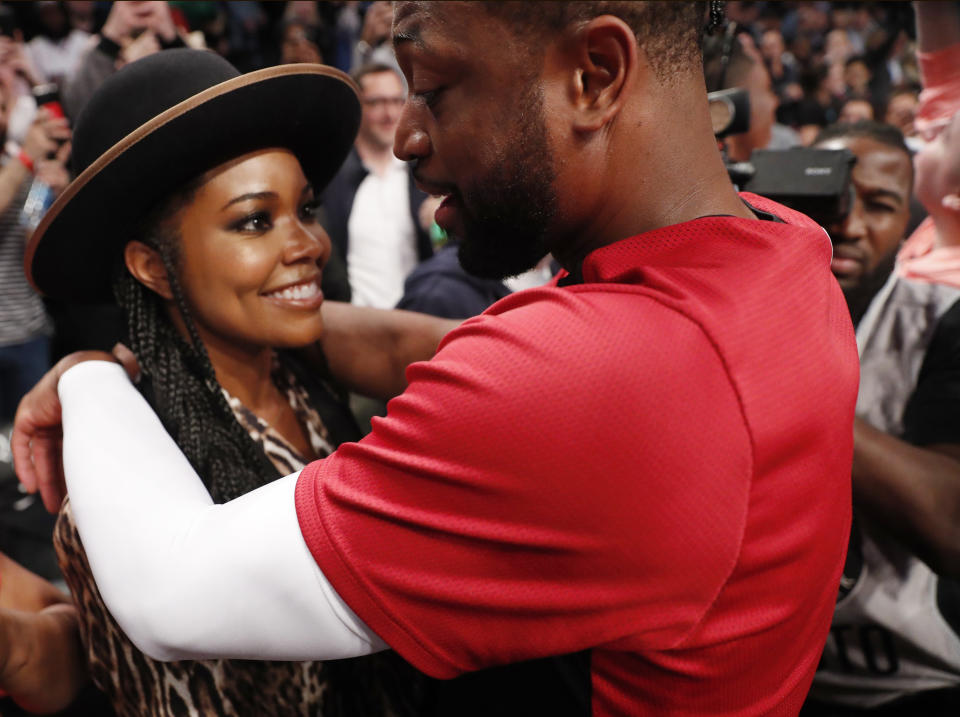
(533, 493)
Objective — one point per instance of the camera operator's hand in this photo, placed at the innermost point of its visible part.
(46, 136)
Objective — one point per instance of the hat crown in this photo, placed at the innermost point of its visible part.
(137, 93)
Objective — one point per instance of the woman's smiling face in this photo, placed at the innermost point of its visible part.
(251, 252)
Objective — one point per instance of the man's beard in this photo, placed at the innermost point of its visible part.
(506, 214)
(859, 297)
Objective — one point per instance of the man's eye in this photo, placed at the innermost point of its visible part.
(430, 97)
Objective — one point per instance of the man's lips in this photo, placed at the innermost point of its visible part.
(846, 260)
(844, 267)
(446, 213)
(432, 187)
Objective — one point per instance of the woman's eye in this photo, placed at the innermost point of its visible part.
(310, 210)
(255, 223)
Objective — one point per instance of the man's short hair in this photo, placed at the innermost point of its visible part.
(877, 131)
(373, 68)
(669, 32)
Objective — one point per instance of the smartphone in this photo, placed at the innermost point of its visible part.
(48, 98)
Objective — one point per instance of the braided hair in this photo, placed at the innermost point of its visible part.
(181, 384)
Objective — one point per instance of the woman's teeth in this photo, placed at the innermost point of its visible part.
(300, 291)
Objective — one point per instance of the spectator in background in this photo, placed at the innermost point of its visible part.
(372, 206)
(440, 286)
(856, 76)
(894, 647)
(299, 42)
(24, 326)
(83, 15)
(57, 48)
(823, 90)
(901, 109)
(865, 243)
(728, 63)
(782, 66)
(855, 110)
(374, 45)
(133, 29)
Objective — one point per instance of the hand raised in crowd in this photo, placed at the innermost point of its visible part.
(13, 55)
(46, 136)
(376, 23)
(53, 172)
(128, 18)
(145, 44)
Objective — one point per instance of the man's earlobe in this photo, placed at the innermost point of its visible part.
(147, 267)
(607, 51)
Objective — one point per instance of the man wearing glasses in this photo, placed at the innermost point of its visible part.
(372, 206)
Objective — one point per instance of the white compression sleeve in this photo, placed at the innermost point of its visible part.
(184, 578)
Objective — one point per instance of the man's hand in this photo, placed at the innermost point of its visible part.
(38, 435)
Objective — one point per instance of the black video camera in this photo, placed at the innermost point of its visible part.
(815, 182)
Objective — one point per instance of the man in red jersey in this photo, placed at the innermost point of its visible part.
(639, 474)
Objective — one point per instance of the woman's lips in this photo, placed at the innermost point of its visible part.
(306, 295)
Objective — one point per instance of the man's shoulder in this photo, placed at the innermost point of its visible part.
(619, 331)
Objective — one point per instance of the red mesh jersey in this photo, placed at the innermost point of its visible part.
(653, 465)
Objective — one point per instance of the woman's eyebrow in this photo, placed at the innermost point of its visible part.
(249, 195)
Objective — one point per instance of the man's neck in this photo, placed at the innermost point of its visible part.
(375, 158)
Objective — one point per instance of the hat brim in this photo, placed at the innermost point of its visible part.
(313, 110)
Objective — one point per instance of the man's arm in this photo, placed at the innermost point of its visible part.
(938, 25)
(184, 578)
(913, 492)
(369, 350)
(42, 665)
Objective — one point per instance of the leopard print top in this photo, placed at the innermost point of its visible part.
(139, 686)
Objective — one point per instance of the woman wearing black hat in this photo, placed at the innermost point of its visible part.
(194, 203)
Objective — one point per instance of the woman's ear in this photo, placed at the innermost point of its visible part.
(147, 267)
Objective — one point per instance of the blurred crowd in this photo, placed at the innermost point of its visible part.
(835, 61)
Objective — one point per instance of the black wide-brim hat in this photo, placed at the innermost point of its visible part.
(162, 121)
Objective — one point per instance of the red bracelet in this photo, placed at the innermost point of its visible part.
(25, 160)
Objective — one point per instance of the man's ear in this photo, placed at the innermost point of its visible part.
(147, 267)
(606, 56)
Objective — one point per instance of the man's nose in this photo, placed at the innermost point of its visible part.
(411, 140)
(853, 227)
